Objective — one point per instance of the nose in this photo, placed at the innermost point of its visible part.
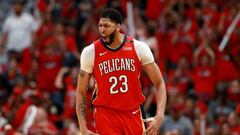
(101, 29)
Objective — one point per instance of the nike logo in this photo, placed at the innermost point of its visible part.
(101, 54)
(135, 112)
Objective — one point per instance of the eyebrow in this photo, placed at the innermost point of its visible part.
(108, 23)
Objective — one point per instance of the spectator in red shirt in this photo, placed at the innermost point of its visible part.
(204, 73)
(224, 63)
(67, 81)
(234, 123)
(88, 31)
(181, 43)
(154, 8)
(41, 125)
(50, 61)
(69, 12)
(234, 91)
(45, 29)
(180, 78)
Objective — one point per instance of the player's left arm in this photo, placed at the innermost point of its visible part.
(155, 76)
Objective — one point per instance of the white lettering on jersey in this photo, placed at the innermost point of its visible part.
(109, 66)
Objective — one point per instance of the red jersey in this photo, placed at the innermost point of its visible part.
(117, 75)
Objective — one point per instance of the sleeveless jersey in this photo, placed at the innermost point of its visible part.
(117, 75)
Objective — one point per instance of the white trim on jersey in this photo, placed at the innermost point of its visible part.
(142, 49)
(87, 58)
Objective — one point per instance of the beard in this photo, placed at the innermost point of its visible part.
(110, 38)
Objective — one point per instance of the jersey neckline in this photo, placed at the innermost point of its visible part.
(115, 49)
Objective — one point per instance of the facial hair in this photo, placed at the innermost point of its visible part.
(111, 38)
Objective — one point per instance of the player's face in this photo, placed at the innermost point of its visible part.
(107, 30)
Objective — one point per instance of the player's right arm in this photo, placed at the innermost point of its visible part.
(87, 58)
(81, 100)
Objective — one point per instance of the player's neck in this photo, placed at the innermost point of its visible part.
(118, 40)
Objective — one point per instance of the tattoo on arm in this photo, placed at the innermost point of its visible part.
(82, 74)
(83, 107)
(84, 79)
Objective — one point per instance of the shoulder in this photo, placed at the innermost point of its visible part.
(140, 47)
(87, 58)
(88, 52)
(143, 52)
(139, 44)
(89, 49)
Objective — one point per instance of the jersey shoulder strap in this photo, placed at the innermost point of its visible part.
(129, 39)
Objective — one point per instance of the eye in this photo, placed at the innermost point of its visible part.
(104, 25)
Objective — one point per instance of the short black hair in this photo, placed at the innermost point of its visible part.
(112, 14)
(21, 2)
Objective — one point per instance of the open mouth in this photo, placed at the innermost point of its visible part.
(105, 38)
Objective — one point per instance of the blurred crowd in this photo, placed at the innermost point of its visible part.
(41, 43)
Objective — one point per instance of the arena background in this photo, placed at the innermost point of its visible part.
(196, 44)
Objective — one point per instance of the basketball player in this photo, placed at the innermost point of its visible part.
(115, 61)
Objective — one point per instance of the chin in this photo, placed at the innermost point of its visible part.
(107, 43)
(106, 39)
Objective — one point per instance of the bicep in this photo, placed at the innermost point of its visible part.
(83, 81)
(153, 73)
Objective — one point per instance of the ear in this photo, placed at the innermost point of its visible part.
(118, 26)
